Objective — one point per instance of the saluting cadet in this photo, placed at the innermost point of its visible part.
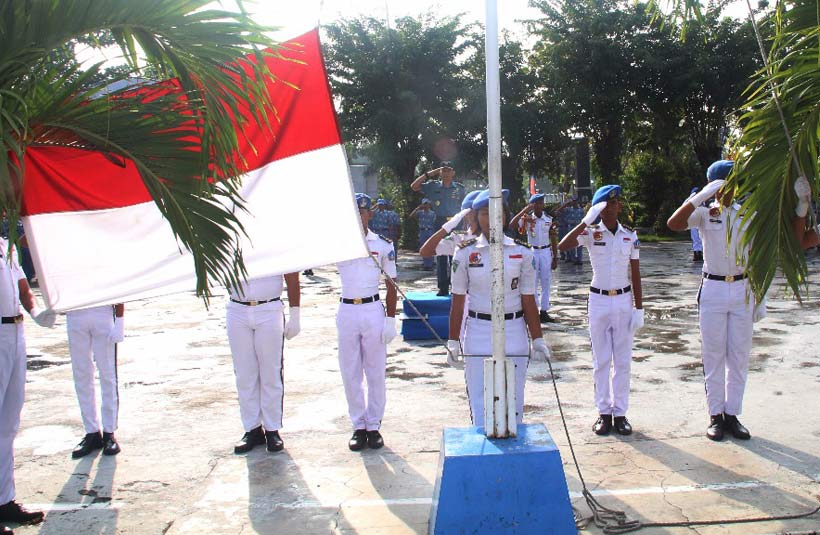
(726, 308)
(256, 331)
(446, 196)
(380, 218)
(613, 321)
(427, 224)
(472, 276)
(543, 239)
(445, 240)
(364, 329)
(93, 335)
(14, 291)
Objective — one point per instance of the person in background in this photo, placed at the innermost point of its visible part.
(393, 227)
(446, 196)
(427, 224)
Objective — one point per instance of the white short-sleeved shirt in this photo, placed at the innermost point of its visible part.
(537, 228)
(448, 245)
(10, 275)
(610, 254)
(260, 289)
(714, 225)
(360, 277)
(472, 274)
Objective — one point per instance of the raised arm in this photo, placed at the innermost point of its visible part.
(515, 220)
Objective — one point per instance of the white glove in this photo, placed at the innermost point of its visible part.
(454, 221)
(594, 213)
(117, 333)
(637, 320)
(540, 351)
(454, 357)
(292, 326)
(759, 311)
(43, 318)
(389, 330)
(803, 190)
(706, 193)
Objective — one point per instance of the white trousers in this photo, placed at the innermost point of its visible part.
(611, 337)
(543, 274)
(256, 337)
(88, 344)
(478, 341)
(363, 358)
(726, 342)
(12, 392)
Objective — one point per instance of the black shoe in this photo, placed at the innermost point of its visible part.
(275, 442)
(251, 439)
(374, 440)
(308, 272)
(715, 429)
(13, 512)
(622, 426)
(358, 441)
(733, 425)
(443, 293)
(545, 317)
(110, 445)
(603, 425)
(89, 443)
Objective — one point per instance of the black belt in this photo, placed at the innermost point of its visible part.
(254, 303)
(540, 246)
(359, 300)
(482, 316)
(12, 319)
(725, 278)
(619, 291)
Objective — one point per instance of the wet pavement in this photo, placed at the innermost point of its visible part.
(179, 418)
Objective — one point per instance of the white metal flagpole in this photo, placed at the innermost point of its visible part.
(495, 412)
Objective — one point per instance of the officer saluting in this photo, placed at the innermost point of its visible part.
(364, 330)
(542, 237)
(256, 331)
(726, 310)
(472, 276)
(613, 253)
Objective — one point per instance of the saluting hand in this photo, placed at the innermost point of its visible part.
(706, 193)
(594, 213)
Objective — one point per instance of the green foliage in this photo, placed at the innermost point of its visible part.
(47, 97)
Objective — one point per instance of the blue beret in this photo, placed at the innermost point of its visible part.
(447, 163)
(605, 193)
(469, 198)
(381, 202)
(719, 170)
(537, 197)
(482, 200)
(425, 201)
(363, 200)
(694, 190)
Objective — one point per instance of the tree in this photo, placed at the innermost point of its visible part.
(47, 97)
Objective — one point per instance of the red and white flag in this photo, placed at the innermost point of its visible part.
(97, 237)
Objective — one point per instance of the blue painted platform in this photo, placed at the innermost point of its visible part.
(512, 486)
(436, 309)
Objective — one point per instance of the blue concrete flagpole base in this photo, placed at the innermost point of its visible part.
(512, 486)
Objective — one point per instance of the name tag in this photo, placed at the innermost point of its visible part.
(603, 243)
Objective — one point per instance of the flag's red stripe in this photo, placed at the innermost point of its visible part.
(61, 179)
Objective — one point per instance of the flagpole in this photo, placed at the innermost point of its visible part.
(495, 412)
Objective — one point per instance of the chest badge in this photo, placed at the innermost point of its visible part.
(714, 212)
(597, 235)
(475, 257)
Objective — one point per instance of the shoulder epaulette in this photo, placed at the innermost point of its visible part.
(385, 238)
(467, 243)
(521, 242)
(628, 229)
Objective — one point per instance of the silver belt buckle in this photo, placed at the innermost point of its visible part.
(612, 293)
(730, 278)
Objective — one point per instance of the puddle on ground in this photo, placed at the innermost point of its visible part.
(809, 364)
(38, 362)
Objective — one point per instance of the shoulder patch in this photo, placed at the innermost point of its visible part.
(385, 238)
(523, 243)
(467, 243)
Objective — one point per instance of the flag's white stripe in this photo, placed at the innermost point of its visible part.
(301, 214)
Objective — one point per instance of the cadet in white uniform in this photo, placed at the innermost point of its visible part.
(364, 330)
(14, 291)
(472, 277)
(93, 335)
(614, 255)
(256, 331)
(543, 239)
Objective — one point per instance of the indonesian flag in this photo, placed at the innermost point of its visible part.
(97, 237)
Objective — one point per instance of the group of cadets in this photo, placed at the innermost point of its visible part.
(257, 324)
